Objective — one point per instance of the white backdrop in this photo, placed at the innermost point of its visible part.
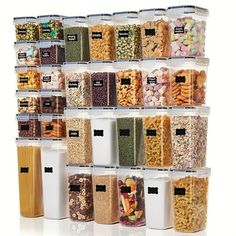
(220, 48)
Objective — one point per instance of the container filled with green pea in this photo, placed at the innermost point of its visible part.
(127, 35)
(26, 29)
(50, 27)
(76, 38)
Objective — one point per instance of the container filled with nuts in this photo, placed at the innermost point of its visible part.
(157, 137)
(79, 138)
(188, 26)
(156, 82)
(105, 195)
(101, 37)
(76, 39)
(51, 52)
(51, 77)
(28, 101)
(129, 89)
(26, 28)
(50, 27)
(103, 84)
(190, 199)
(80, 193)
(27, 53)
(131, 197)
(155, 33)
(52, 126)
(127, 35)
(189, 137)
(28, 77)
(77, 79)
(188, 81)
(53, 101)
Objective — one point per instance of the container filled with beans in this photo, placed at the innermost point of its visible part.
(189, 137)
(52, 52)
(188, 26)
(157, 137)
(131, 197)
(188, 81)
(129, 89)
(52, 126)
(77, 80)
(27, 53)
(53, 101)
(50, 27)
(26, 29)
(80, 193)
(103, 84)
(28, 126)
(190, 199)
(105, 195)
(27, 77)
(127, 35)
(28, 101)
(51, 77)
(79, 138)
(156, 82)
(76, 39)
(155, 33)
(101, 37)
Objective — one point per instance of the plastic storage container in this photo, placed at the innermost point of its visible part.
(28, 77)
(190, 199)
(30, 179)
(130, 137)
(80, 193)
(53, 101)
(188, 26)
(78, 90)
(51, 77)
(158, 198)
(79, 138)
(104, 137)
(28, 126)
(26, 28)
(155, 33)
(129, 83)
(188, 81)
(101, 37)
(131, 197)
(55, 195)
(52, 126)
(76, 39)
(52, 52)
(156, 82)
(50, 27)
(157, 137)
(105, 195)
(27, 53)
(189, 137)
(127, 35)
(103, 84)
(28, 101)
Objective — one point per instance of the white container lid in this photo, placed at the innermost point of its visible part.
(26, 117)
(128, 112)
(24, 20)
(195, 172)
(101, 66)
(45, 68)
(187, 9)
(125, 15)
(152, 14)
(78, 169)
(82, 112)
(49, 93)
(50, 117)
(154, 111)
(154, 62)
(127, 64)
(137, 171)
(75, 66)
(25, 68)
(27, 93)
(28, 142)
(199, 61)
(25, 43)
(190, 111)
(104, 170)
(74, 21)
(49, 43)
(99, 18)
(59, 144)
(46, 18)
(156, 173)
(105, 112)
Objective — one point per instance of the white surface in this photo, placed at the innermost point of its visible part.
(220, 49)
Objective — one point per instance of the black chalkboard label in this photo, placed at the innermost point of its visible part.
(47, 103)
(98, 132)
(24, 127)
(73, 133)
(125, 189)
(180, 191)
(71, 37)
(151, 132)
(123, 33)
(45, 54)
(125, 81)
(180, 79)
(22, 31)
(179, 30)
(97, 83)
(73, 84)
(74, 188)
(24, 104)
(48, 169)
(180, 131)
(151, 80)
(46, 29)
(49, 127)
(152, 190)
(100, 188)
(124, 132)
(150, 32)
(96, 35)
(22, 55)
(47, 78)
(24, 80)
(24, 170)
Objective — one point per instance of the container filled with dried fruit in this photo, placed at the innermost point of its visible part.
(131, 197)
(190, 199)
